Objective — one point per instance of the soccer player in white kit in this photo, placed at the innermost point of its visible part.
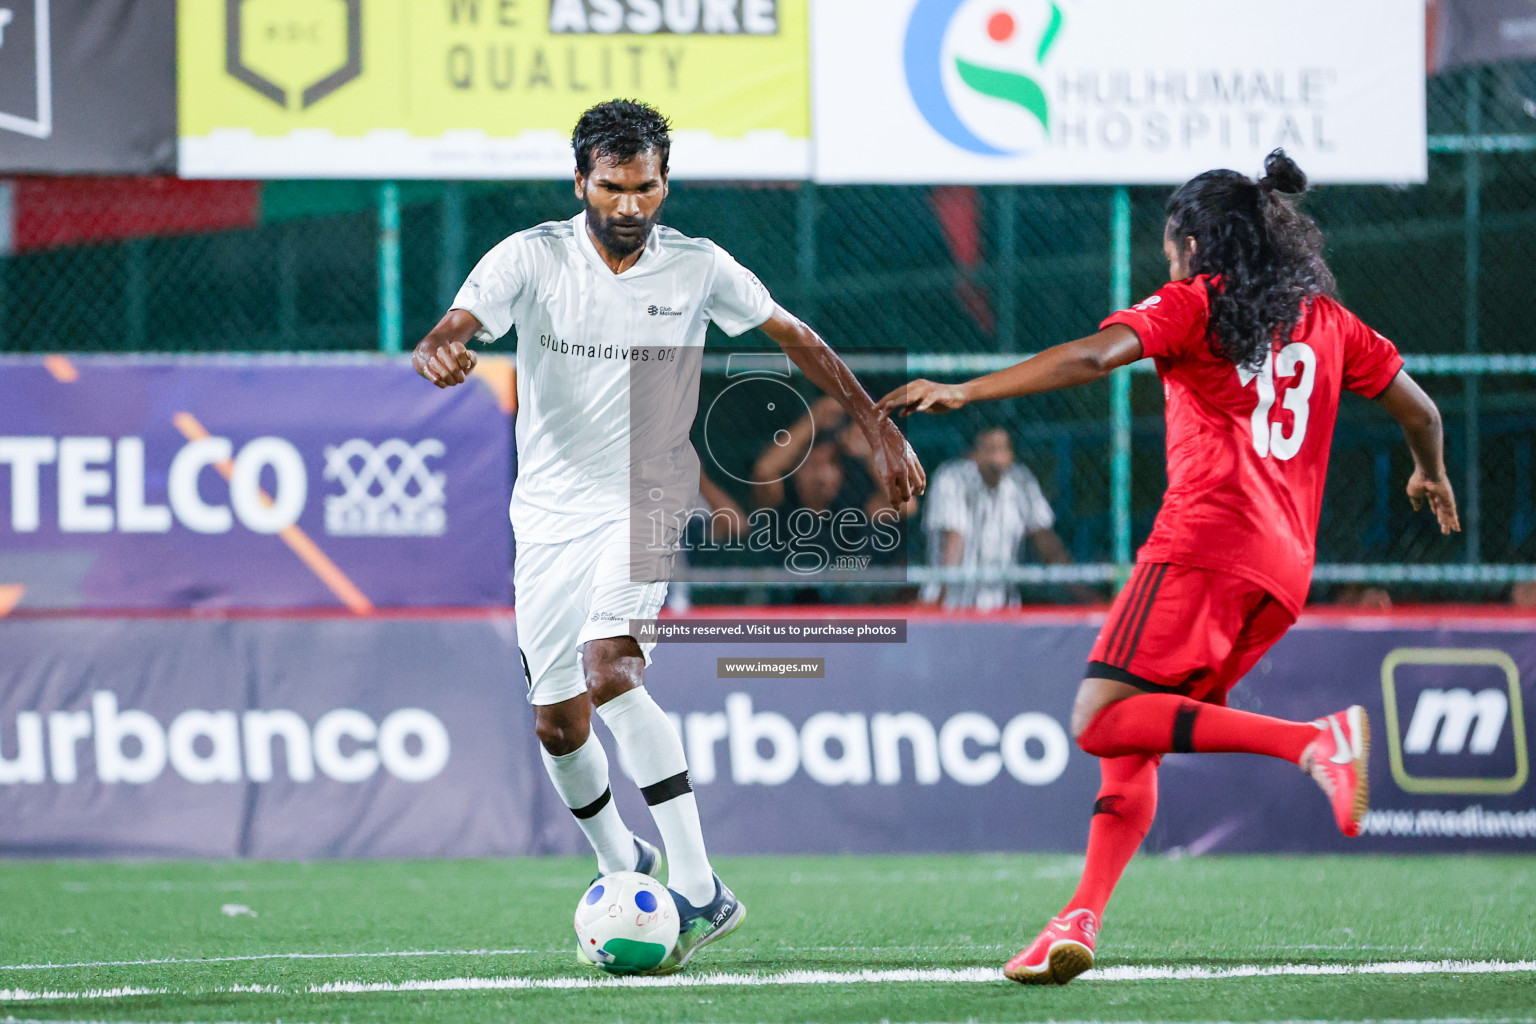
(611, 310)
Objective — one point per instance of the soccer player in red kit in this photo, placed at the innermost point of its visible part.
(1253, 351)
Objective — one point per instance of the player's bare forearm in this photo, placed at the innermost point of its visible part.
(1065, 366)
(1077, 362)
(1419, 418)
(821, 366)
(442, 356)
(898, 470)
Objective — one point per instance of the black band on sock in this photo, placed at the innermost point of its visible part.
(1184, 729)
(596, 805)
(667, 789)
(1108, 805)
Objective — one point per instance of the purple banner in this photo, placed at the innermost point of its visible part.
(249, 482)
(394, 737)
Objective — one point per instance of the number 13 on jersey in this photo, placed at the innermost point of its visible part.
(1271, 438)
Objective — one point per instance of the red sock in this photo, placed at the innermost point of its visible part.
(1121, 816)
(1164, 723)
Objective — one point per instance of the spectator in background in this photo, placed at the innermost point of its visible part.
(980, 511)
(789, 464)
(1523, 594)
(819, 466)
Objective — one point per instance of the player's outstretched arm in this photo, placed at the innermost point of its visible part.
(896, 464)
(1065, 366)
(441, 356)
(1417, 414)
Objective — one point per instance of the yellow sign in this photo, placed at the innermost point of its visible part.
(485, 88)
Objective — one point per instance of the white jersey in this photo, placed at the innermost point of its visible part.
(607, 366)
(992, 523)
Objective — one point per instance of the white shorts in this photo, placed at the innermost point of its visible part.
(571, 592)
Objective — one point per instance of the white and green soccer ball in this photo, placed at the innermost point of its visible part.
(626, 923)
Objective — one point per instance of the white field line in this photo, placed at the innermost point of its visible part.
(409, 953)
(969, 975)
(267, 956)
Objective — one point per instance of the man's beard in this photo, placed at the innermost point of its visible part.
(619, 244)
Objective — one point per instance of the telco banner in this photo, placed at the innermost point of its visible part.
(1116, 91)
(485, 88)
(87, 86)
(219, 482)
(392, 737)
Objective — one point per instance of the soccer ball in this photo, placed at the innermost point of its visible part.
(626, 923)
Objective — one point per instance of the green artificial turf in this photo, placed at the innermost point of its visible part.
(511, 919)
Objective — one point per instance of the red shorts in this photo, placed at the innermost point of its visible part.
(1195, 632)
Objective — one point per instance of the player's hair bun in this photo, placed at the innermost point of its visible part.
(1282, 175)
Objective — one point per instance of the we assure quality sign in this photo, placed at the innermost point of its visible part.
(485, 88)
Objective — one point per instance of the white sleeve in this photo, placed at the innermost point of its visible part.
(945, 507)
(1037, 512)
(491, 291)
(738, 301)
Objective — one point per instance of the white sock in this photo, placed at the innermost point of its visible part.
(581, 779)
(652, 752)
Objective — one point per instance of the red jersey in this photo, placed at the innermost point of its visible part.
(1248, 452)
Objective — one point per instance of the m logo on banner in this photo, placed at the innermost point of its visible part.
(1466, 723)
(26, 73)
(294, 54)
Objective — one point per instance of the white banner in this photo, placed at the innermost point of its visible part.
(1116, 91)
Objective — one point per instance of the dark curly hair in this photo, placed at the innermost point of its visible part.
(1263, 255)
(621, 129)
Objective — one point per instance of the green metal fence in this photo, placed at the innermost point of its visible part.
(962, 279)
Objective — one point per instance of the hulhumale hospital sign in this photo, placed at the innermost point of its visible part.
(1116, 91)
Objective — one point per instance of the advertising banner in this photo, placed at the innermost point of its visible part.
(248, 482)
(87, 86)
(1485, 32)
(392, 737)
(485, 88)
(264, 739)
(1116, 91)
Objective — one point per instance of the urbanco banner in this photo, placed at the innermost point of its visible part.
(388, 736)
(485, 88)
(245, 482)
(1116, 91)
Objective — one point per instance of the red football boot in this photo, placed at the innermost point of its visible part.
(1337, 760)
(1060, 953)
